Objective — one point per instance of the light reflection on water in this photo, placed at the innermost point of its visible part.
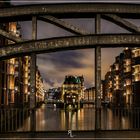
(114, 119)
(58, 119)
(55, 119)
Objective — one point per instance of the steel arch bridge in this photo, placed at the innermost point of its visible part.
(55, 13)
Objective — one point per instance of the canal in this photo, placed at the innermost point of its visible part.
(50, 118)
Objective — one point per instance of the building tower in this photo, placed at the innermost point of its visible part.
(72, 88)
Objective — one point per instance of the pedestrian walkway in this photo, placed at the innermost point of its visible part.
(112, 134)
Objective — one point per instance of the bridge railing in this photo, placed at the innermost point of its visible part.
(120, 118)
(13, 119)
(18, 120)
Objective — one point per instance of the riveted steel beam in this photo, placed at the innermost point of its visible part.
(97, 76)
(33, 66)
(10, 36)
(122, 22)
(33, 77)
(70, 43)
(70, 10)
(63, 24)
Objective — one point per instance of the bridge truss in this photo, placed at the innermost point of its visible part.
(55, 13)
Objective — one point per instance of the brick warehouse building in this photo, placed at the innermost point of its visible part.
(122, 81)
(73, 88)
(15, 73)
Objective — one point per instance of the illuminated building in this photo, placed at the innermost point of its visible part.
(136, 76)
(89, 94)
(73, 88)
(12, 72)
(54, 93)
(15, 76)
(108, 87)
(122, 82)
(127, 80)
(7, 71)
(39, 88)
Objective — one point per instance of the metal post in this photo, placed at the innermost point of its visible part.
(20, 88)
(97, 78)
(33, 78)
(88, 95)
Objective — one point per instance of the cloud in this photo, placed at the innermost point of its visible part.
(55, 66)
(69, 59)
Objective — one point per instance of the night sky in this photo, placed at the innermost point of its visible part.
(54, 66)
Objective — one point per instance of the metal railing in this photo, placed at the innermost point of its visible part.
(120, 118)
(13, 119)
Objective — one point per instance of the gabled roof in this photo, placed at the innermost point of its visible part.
(72, 80)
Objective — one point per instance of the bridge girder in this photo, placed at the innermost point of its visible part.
(109, 11)
(51, 13)
(70, 43)
(70, 27)
(69, 10)
(10, 36)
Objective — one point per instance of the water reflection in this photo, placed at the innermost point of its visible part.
(58, 119)
(49, 118)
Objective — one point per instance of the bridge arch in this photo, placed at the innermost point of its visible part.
(69, 10)
(75, 10)
(69, 43)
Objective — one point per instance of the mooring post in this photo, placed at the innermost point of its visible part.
(33, 78)
(97, 77)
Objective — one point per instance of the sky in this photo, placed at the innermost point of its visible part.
(55, 66)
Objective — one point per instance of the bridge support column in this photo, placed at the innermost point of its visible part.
(33, 78)
(97, 77)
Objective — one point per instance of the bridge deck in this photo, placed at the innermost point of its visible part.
(77, 135)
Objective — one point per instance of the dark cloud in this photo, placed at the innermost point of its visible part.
(54, 73)
(50, 82)
(55, 66)
(44, 30)
(64, 60)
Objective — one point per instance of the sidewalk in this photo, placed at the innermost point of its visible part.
(111, 134)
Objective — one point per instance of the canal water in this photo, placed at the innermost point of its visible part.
(58, 119)
(50, 118)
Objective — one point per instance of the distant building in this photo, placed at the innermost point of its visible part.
(54, 94)
(40, 93)
(73, 88)
(89, 94)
